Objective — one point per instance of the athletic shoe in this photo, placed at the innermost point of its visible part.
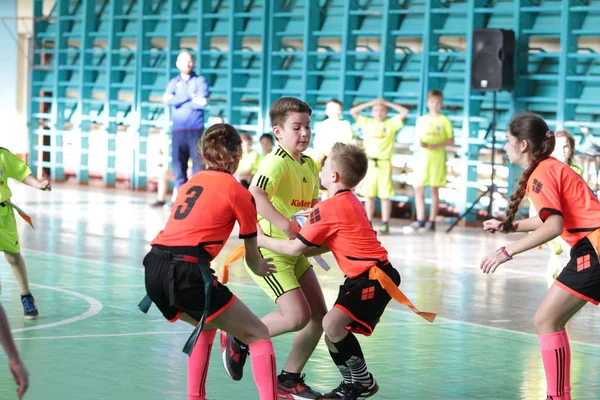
(384, 229)
(357, 391)
(292, 389)
(157, 203)
(234, 356)
(412, 228)
(428, 227)
(29, 310)
(336, 393)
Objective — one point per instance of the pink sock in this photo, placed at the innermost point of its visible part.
(198, 365)
(262, 356)
(556, 355)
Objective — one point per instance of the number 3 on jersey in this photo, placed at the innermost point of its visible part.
(193, 193)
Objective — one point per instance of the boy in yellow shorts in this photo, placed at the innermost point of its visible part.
(285, 183)
(379, 138)
(435, 133)
(12, 166)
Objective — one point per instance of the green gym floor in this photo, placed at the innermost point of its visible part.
(91, 342)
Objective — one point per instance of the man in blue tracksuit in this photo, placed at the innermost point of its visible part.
(187, 94)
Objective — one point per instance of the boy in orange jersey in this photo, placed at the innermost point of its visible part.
(340, 223)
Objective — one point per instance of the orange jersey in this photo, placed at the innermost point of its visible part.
(341, 223)
(205, 211)
(554, 188)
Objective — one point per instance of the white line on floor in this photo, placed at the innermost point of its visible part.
(95, 308)
(102, 335)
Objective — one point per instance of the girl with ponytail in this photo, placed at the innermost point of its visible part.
(566, 207)
(177, 269)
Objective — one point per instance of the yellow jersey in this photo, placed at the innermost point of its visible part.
(11, 166)
(434, 130)
(379, 137)
(291, 186)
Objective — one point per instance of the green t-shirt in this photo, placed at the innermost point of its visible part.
(11, 166)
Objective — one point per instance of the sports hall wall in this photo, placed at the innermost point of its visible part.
(98, 69)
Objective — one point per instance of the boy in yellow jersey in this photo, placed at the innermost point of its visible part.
(285, 183)
(435, 133)
(248, 163)
(379, 138)
(12, 166)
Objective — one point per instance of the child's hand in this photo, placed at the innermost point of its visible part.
(265, 268)
(492, 261)
(20, 375)
(491, 225)
(292, 229)
(424, 145)
(45, 185)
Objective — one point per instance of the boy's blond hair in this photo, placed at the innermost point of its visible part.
(351, 162)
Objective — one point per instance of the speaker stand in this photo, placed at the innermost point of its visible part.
(492, 188)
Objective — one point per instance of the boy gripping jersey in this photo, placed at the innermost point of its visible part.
(379, 137)
(206, 210)
(432, 164)
(554, 188)
(290, 186)
(342, 224)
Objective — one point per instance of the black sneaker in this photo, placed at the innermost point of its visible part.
(357, 391)
(157, 203)
(29, 310)
(234, 356)
(428, 227)
(295, 390)
(336, 393)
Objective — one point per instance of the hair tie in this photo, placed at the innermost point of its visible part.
(550, 133)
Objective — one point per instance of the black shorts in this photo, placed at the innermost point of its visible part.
(581, 276)
(364, 300)
(186, 294)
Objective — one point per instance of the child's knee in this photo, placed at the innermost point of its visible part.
(12, 258)
(298, 323)
(334, 329)
(546, 322)
(297, 320)
(257, 334)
